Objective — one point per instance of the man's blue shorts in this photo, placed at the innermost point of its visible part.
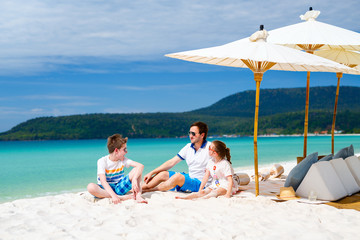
(122, 187)
(190, 184)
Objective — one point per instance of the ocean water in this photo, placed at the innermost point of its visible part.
(39, 168)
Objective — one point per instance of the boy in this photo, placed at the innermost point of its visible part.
(111, 179)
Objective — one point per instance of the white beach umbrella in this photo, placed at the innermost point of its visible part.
(348, 58)
(259, 56)
(312, 35)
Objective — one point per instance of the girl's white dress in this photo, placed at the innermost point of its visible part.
(219, 172)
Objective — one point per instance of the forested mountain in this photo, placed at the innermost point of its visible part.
(282, 100)
(281, 111)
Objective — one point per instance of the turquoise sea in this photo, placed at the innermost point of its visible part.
(39, 168)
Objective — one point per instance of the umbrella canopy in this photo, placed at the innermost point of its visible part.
(348, 58)
(243, 52)
(312, 35)
(259, 56)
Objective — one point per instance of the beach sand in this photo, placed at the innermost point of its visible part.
(244, 216)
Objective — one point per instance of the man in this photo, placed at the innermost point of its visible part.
(196, 155)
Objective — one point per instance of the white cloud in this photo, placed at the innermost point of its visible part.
(78, 104)
(43, 97)
(39, 35)
(123, 110)
(20, 111)
(37, 111)
(52, 97)
(15, 112)
(153, 87)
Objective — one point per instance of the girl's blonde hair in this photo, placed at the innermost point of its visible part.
(222, 150)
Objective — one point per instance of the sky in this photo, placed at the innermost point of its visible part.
(60, 58)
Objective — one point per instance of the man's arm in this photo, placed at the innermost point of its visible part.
(163, 167)
(204, 180)
(115, 198)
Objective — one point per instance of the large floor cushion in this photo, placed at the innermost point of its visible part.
(345, 176)
(322, 179)
(354, 166)
(327, 158)
(298, 173)
(345, 152)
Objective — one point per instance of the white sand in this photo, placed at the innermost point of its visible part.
(244, 216)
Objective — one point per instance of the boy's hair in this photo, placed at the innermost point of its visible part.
(115, 141)
(203, 128)
(222, 150)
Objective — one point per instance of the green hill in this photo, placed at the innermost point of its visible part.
(281, 111)
(273, 101)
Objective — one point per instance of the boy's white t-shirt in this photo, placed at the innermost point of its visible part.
(114, 171)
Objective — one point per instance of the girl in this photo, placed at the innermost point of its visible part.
(221, 171)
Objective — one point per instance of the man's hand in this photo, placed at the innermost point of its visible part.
(147, 178)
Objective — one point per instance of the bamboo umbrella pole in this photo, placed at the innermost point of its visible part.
(309, 48)
(339, 76)
(258, 69)
(306, 122)
(258, 78)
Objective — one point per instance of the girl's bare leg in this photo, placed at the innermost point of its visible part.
(195, 194)
(215, 193)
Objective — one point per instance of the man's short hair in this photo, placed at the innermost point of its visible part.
(115, 141)
(203, 128)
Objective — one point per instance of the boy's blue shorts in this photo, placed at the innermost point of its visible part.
(190, 184)
(122, 187)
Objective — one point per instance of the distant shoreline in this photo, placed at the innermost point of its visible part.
(286, 135)
(209, 137)
(231, 116)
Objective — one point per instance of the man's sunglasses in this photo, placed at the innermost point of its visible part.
(192, 133)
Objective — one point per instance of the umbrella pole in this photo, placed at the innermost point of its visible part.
(339, 76)
(306, 114)
(258, 78)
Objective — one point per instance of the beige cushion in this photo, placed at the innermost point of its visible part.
(241, 178)
(345, 176)
(322, 179)
(276, 170)
(354, 165)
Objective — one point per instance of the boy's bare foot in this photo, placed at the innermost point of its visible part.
(178, 197)
(126, 197)
(140, 199)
